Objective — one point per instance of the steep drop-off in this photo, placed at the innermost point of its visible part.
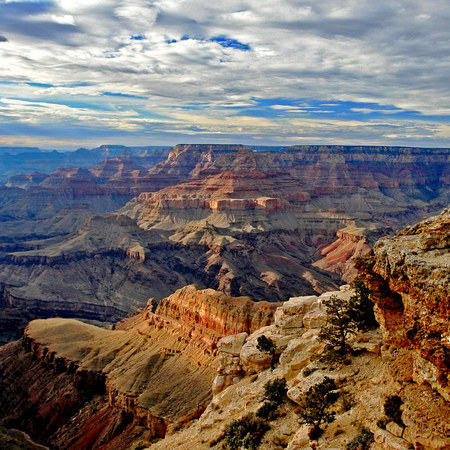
(410, 275)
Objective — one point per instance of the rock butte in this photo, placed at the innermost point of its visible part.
(268, 225)
(176, 373)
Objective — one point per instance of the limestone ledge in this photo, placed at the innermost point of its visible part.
(294, 332)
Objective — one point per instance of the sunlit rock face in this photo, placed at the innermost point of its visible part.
(88, 386)
(410, 276)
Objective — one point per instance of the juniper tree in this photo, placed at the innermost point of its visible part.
(315, 407)
(361, 307)
(265, 344)
(340, 324)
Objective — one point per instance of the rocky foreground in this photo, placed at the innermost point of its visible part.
(177, 375)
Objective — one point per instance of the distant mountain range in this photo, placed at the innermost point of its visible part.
(21, 160)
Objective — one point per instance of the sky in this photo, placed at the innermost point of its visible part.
(79, 73)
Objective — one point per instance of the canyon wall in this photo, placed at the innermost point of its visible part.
(195, 356)
(410, 277)
(268, 225)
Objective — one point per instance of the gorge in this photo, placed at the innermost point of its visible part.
(268, 224)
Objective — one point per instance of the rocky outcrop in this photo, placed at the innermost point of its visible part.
(300, 316)
(340, 255)
(207, 315)
(410, 277)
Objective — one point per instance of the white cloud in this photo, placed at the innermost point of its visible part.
(386, 53)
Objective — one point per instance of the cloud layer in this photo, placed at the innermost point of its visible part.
(168, 71)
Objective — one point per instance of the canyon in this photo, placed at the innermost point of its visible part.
(176, 373)
(96, 243)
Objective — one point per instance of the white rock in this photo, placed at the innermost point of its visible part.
(315, 319)
(389, 441)
(232, 344)
(300, 439)
(395, 429)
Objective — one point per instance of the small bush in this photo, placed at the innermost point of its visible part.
(265, 344)
(392, 409)
(361, 442)
(246, 432)
(268, 411)
(275, 391)
(315, 407)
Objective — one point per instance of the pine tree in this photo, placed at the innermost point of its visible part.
(339, 325)
(361, 307)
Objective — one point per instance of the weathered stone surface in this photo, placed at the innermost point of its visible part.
(301, 439)
(395, 429)
(389, 441)
(301, 312)
(411, 284)
(216, 312)
(232, 344)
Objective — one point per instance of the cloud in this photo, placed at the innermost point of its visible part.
(3, 39)
(384, 61)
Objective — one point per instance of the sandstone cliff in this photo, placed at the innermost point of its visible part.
(410, 275)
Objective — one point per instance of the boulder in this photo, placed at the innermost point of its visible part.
(232, 344)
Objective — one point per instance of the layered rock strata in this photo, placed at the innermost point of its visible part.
(268, 225)
(83, 387)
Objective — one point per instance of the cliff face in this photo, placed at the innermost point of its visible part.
(74, 385)
(410, 275)
(208, 315)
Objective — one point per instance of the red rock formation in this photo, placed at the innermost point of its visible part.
(208, 315)
(410, 277)
(74, 385)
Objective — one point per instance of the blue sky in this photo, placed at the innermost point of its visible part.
(161, 72)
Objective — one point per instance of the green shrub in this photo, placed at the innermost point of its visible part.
(246, 432)
(265, 344)
(392, 409)
(361, 307)
(275, 391)
(361, 442)
(268, 411)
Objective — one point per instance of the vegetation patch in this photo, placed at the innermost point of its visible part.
(315, 408)
(362, 441)
(246, 432)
